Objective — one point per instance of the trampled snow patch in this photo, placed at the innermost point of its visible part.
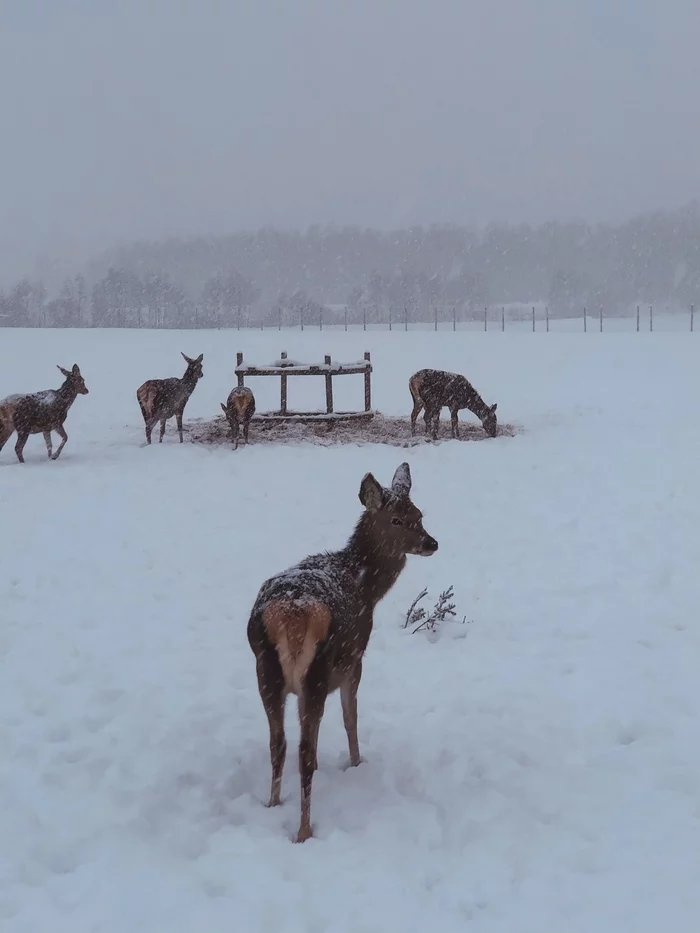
(535, 770)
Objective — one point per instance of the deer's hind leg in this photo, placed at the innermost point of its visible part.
(178, 416)
(19, 446)
(61, 431)
(47, 441)
(273, 695)
(312, 703)
(417, 409)
(454, 417)
(162, 429)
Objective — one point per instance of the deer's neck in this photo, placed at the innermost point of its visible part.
(66, 395)
(188, 383)
(474, 402)
(377, 569)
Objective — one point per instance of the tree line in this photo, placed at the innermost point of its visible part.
(270, 277)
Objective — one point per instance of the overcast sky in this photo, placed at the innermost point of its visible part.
(124, 119)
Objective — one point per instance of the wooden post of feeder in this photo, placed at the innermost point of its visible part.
(329, 386)
(239, 362)
(283, 386)
(368, 385)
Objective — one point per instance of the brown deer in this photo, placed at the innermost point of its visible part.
(433, 389)
(239, 409)
(310, 625)
(160, 399)
(40, 413)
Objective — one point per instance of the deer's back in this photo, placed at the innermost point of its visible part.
(166, 395)
(333, 581)
(39, 412)
(444, 388)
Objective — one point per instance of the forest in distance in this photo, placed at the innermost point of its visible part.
(276, 277)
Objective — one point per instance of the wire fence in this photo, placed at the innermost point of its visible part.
(645, 319)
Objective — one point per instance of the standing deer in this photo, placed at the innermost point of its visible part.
(239, 409)
(310, 625)
(40, 413)
(160, 399)
(433, 388)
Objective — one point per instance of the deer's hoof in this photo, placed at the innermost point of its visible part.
(304, 834)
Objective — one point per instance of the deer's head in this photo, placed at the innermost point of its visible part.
(396, 521)
(75, 380)
(489, 421)
(194, 367)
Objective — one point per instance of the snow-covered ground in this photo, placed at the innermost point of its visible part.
(535, 770)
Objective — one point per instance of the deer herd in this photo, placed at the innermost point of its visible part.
(309, 625)
(161, 399)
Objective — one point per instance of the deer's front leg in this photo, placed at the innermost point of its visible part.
(348, 699)
(61, 431)
(178, 415)
(455, 423)
(47, 441)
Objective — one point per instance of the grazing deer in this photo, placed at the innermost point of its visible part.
(310, 625)
(160, 399)
(433, 388)
(239, 409)
(40, 413)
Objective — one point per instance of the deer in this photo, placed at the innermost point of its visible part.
(160, 399)
(309, 625)
(239, 409)
(433, 388)
(41, 413)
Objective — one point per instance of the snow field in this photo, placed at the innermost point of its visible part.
(535, 769)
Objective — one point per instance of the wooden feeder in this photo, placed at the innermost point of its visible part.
(286, 368)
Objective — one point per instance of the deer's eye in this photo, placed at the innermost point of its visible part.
(396, 521)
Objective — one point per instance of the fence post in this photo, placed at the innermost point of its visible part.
(546, 318)
(368, 385)
(283, 387)
(329, 386)
(584, 319)
(239, 362)
(651, 318)
(503, 318)
(692, 315)
(601, 319)
(637, 318)
(533, 319)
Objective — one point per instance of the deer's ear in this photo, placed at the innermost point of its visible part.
(494, 407)
(224, 409)
(371, 493)
(64, 371)
(401, 483)
(76, 369)
(199, 358)
(186, 358)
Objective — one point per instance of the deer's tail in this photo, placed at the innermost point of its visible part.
(7, 424)
(146, 395)
(415, 384)
(295, 631)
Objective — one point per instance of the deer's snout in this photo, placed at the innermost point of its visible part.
(428, 546)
